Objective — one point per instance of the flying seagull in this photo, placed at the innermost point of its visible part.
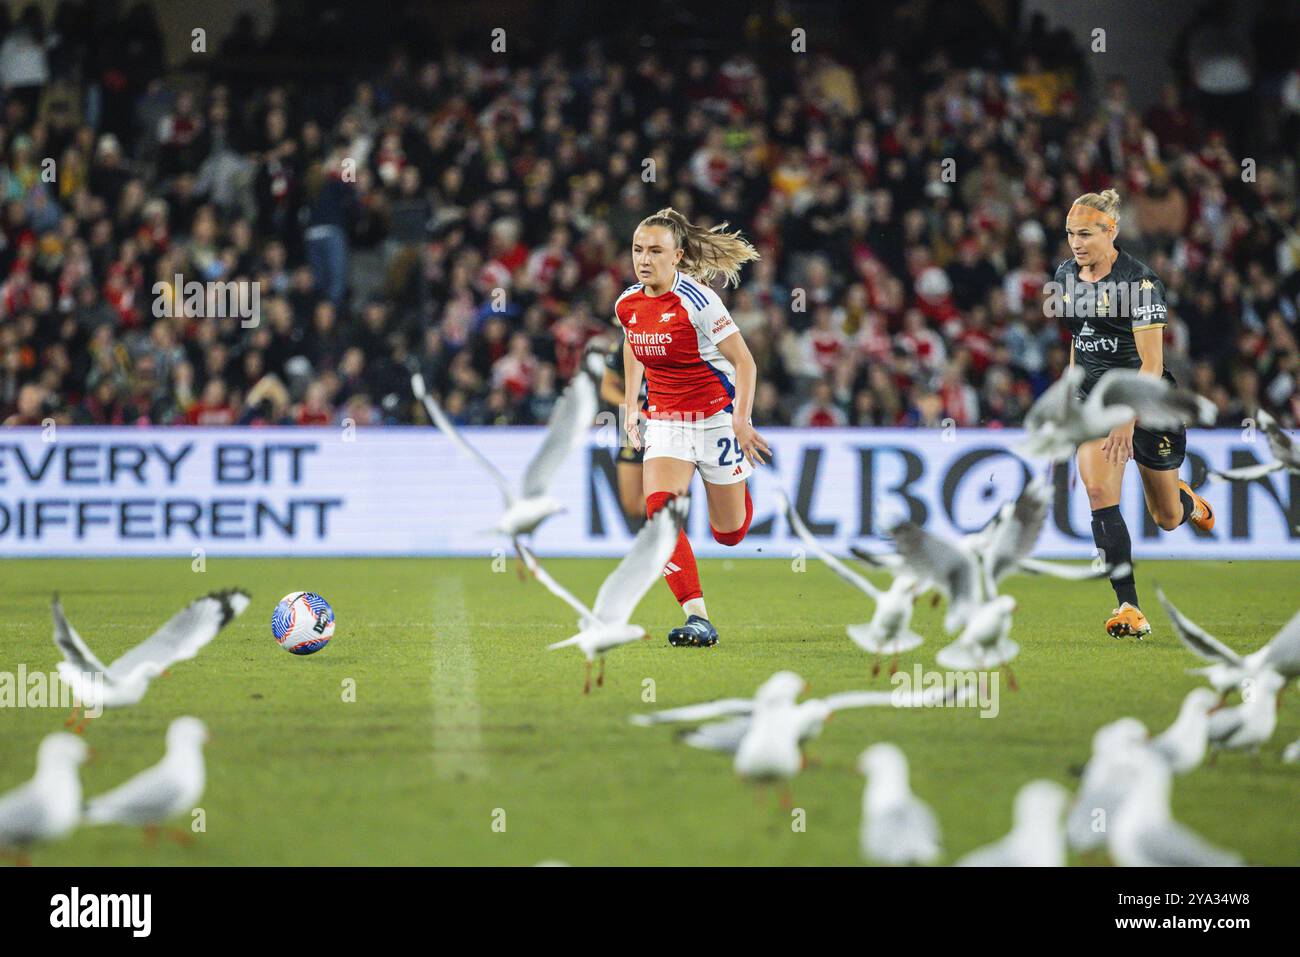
(1058, 423)
(168, 789)
(605, 624)
(48, 806)
(529, 505)
(1228, 668)
(125, 681)
(1285, 454)
(889, 632)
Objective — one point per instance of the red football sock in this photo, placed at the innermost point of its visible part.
(682, 575)
(734, 538)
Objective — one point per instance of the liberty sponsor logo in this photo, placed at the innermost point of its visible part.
(1094, 342)
(130, 911)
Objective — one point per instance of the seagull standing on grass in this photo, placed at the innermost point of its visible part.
(170, 788)
(47, 807)
(1058, 423)
(530, 505)
(1143, 832)
(1228, 668)
(605, 624)
(1285, 454)
(897, 826)
(125, 681)
(1037, 837)
(889, 632)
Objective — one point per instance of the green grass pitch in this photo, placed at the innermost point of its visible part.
(469, 743)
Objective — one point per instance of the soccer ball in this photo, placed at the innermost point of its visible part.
(303, 623)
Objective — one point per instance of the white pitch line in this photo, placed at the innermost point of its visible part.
(457, 718)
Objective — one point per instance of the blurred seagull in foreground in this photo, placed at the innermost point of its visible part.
(889, 631)
(48, 806)
(1291, 754)
(1250, 724)
(125, 681)
(1184, 742)
(169, 789)
(1058, 423)
(897, 826)
(1228, 668)
(1105, 782)
(1037, 837)
(530, 505)
(605, 624)
(1285, 454)
(1142, 831)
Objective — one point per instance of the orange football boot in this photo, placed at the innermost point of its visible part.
(1127, 621)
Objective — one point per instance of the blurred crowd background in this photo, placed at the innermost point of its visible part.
(401, 193)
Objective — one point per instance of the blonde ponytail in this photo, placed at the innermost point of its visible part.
(706, 253)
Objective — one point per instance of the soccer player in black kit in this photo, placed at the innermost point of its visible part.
(1115, 308)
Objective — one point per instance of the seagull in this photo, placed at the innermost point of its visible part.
(529, 506)
(1228, 668)
(1183, 743)
(1143, 832)
(1291, 754)
(897, 826)
(48, 806)
(1006, 541)
(1251, 723)
(889, 631)
(125, 681)
(1105, 782)
(170, 788)
(1058, 423)
(1285, 454)
(1037, 837)
(605, 624)
(784, 687)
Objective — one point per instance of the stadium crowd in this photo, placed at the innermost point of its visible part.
(472, 212)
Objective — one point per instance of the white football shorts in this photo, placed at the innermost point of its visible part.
(709, 443)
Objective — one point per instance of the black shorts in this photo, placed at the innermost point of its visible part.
(628, 455)
(1162, 451)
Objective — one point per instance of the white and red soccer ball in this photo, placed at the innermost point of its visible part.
(303, 623)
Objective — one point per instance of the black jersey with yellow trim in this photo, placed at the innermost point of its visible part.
(1102, 316)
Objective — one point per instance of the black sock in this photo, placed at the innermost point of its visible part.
(1189, 506)
(1111, 535)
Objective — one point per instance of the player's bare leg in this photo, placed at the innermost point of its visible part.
(1171, 501)
(631, 491)
(1103, 481)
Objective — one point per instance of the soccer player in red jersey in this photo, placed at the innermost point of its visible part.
(701, 380)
